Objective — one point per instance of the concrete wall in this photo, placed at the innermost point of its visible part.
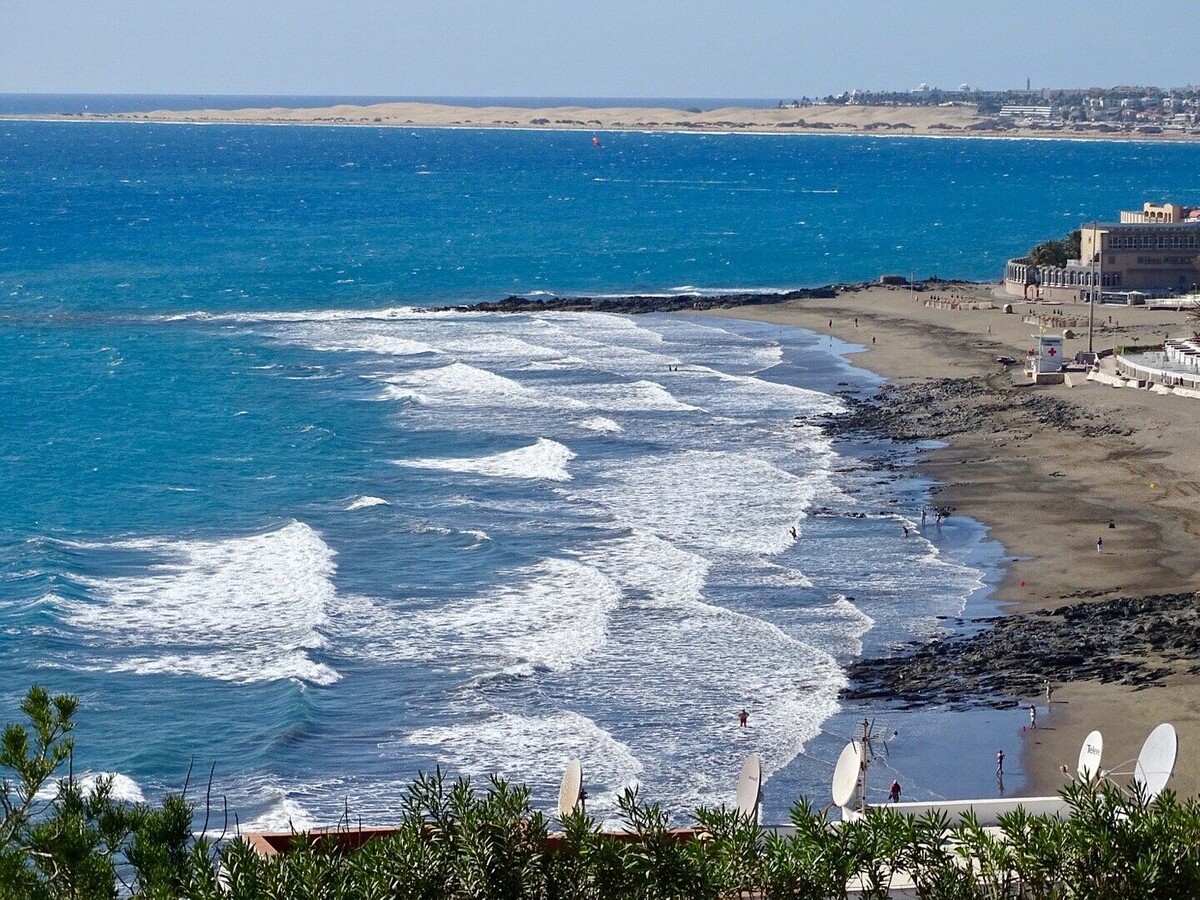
(988, 812)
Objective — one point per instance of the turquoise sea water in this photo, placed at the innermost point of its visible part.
(259, 509)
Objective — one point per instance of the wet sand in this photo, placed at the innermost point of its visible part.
(1047, 494)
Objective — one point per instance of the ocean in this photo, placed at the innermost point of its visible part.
(264, 508)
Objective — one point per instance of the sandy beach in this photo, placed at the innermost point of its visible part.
(1047, 493)
(952, 120)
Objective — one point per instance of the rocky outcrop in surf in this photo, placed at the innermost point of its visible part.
(635, 304)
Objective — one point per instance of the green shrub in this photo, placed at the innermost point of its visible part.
(455, 840)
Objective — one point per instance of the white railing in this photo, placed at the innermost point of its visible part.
(987, 812)
(1155, 375)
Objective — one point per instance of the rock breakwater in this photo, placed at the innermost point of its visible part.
(635, 304)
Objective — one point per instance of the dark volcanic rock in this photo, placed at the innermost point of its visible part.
(1138, 641)
(635, 304)
(642, 303)
(941, 408)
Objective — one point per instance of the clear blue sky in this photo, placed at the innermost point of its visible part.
(589, 48)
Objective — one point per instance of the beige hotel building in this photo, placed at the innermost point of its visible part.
(1153, 252)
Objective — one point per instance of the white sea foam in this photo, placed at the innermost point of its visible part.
(750, 393)
(123, 788)
(241, 609)
(636, 396)
(491, 346)
(364, 501)
(282, 813)
(715, 501)
(721, 348)
(465, 385)
(305, 315)
(551, 616)
(544, 460)
(373, 340)
(525, 747)
(769, 574)
(677, 666)
(646, 566)
(558, 364)
(620, 653)
(885, 576)
(600, 424)
(464, 338)
(837, 627)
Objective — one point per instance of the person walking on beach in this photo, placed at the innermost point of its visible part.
(1032, 717)
(1100, 545)
(1049, 692)
(743, 718)
(999, 763)
(922, 517)
(894, 792)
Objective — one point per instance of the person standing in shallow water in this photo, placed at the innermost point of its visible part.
(743, 718)
(999, 763)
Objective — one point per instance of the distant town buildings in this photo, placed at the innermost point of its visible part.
(1151, 252)
(1013, 111)
(1135, 110)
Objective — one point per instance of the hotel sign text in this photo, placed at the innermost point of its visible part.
(1164, 260)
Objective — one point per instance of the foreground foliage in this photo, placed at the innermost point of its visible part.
(454, 840)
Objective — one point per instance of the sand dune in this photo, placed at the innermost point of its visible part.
(939, 120)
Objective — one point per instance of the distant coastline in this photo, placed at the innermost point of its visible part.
(948, 121)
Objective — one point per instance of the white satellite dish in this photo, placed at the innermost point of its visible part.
(1089, 757)
(571, 790)
(749, 787)
(1156, 762)
(845, 775)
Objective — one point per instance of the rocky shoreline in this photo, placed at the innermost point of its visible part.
(637, 304)
(938, 409)
(1002, 661)
(1138, 642)
(1046, 469)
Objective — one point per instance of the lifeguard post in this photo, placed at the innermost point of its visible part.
(1045, 361)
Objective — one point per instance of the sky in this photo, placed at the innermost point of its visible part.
(590, 48)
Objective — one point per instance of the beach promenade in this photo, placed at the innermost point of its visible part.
(1048, 485)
